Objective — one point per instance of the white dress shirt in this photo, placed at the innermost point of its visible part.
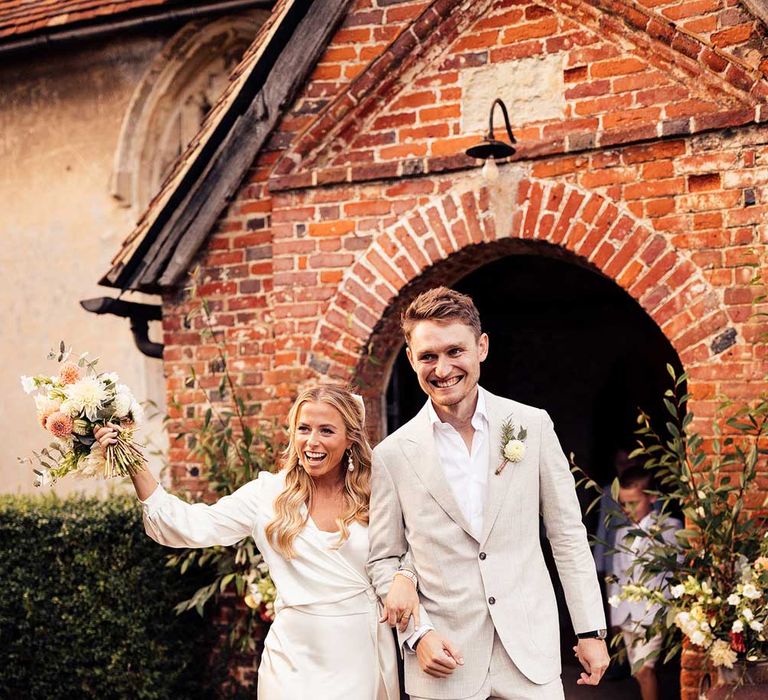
(466, 471)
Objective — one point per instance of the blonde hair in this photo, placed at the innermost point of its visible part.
(299, 486)
(442, 305)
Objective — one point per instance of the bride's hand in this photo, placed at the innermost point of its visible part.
(107, 435)
(401, 603)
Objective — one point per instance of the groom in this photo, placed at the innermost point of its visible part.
(456, 498)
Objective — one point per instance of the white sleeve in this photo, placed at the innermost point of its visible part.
(410, 642)
(175, 523)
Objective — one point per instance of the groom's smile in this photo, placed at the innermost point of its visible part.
(446, 357)
(446, 383)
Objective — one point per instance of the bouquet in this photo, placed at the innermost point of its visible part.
(70, 405)
(715, 589)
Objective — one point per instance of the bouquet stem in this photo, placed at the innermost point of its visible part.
(124, 458)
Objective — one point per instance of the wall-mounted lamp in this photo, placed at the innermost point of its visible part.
(491, 149)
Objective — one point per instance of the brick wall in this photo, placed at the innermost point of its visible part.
(653, 174)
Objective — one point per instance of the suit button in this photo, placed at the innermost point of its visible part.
(491, 600)
(482, 555)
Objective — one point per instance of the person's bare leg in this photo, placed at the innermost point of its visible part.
(649, 683)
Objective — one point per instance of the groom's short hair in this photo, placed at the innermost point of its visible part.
(442, 305)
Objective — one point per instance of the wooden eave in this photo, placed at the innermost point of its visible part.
(759, 9)
(158, 252)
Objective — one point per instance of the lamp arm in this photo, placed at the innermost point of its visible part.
(504, 112)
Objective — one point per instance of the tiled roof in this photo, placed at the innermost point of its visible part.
(18, 17)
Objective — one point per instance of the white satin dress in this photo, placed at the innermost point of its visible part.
(326, 642)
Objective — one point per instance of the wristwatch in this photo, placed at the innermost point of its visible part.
(594, 634)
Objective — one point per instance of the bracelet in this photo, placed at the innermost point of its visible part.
(409, 575)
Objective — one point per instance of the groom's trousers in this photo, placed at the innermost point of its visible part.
(505, 682)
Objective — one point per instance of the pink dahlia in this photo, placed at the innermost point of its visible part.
(69, 373)
(45, 407)
(59, 424)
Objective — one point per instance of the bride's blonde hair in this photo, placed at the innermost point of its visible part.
(299, 487)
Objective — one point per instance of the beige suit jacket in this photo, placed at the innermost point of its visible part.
(470, 588)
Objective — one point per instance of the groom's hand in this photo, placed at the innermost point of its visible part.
(437, 656)
(593, 656)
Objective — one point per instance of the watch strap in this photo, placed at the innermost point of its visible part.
(593, 634)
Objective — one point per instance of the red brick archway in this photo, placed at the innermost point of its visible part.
(453, 233)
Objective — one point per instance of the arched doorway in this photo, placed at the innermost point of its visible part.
(564, 338)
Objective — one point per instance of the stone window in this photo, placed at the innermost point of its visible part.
(179, 88)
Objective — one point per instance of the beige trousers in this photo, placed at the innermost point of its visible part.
(505, 682)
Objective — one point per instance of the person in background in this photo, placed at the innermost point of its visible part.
(637, 499)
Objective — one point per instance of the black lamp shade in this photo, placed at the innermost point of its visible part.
(490, 148)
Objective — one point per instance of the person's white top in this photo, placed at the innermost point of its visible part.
(326, 636)
(627, 569)
(465, 470)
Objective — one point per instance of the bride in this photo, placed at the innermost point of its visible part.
(310, 523)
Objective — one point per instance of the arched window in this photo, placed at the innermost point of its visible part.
(181, 85)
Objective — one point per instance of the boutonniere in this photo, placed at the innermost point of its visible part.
(512, 444)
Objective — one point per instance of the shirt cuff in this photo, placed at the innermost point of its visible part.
(410, 643)
(154, 501)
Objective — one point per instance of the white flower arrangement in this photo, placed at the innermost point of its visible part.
(715, 590)
(700, 615)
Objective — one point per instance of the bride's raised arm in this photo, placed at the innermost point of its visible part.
(175, 523)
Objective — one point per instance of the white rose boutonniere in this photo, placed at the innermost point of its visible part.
(512, 444)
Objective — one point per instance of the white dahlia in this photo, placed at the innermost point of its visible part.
(123, 400)
(86, 395)
(514, 450)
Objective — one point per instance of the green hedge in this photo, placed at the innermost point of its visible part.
(86, 605)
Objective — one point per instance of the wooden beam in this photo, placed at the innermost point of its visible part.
(759, 8)
(186, 230)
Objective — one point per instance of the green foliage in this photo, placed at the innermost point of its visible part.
(86, 605)
(720, 553)
(711, 486)
(232, 453)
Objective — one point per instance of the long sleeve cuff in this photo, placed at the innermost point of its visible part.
(154, 501)
(410, 642)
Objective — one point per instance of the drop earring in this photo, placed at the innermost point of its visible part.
(350, 463)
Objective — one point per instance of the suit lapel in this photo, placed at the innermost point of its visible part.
(418, 446)
(498, 484)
